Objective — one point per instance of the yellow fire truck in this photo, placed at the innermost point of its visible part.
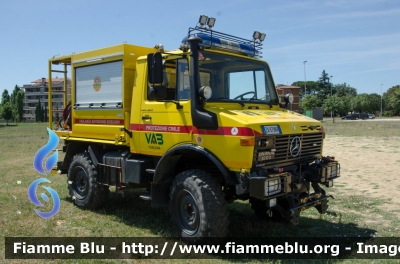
(198, 127)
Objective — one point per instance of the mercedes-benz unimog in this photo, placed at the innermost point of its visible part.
(198, 127)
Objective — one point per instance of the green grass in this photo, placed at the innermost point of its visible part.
(368, 128)
(126, 215)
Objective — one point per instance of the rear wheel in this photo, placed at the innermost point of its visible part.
(82, 184)
(197, 206)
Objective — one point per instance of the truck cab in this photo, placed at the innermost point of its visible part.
(198, 127)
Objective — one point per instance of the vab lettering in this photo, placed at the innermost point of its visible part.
(154, 138)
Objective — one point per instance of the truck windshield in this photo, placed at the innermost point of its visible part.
(234, 78)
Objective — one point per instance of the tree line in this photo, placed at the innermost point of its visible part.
(12, 106)
(342, 98)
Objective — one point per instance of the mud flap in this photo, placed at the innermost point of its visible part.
(294, 216)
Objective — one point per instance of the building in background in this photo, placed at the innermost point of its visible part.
(38, 89)
(295, 90)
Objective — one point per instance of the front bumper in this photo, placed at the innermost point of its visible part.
(296, 184)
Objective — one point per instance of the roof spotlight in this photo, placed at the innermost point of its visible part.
(203, 20)
(256, 35)
(211, 22)
(262, 36)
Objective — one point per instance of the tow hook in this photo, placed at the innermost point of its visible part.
(269, 213)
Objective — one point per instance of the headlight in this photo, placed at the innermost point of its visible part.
(289, 98)
(205, 92)
(332, 171)
(272, 187)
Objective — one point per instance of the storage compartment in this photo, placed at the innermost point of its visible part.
(121, 167)
(111, 169)
(135, 171)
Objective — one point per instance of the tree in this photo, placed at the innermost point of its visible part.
(394, 102)
(374, 103)
(38, 112)
(310, 102)
(20, 104)
(332, 104)
(345, 89)
(311, 87)
(391, 99)
(366, 103)
(7, 112)
(324, 88)
(5, 97)
(17, 102)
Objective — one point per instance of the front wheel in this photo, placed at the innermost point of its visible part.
(197, 206)
(82, 184)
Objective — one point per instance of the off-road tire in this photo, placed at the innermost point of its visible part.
(82, 185)
(197, 206)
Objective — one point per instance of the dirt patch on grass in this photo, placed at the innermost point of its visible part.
(369, 166)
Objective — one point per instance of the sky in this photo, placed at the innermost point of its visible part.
(356, 42)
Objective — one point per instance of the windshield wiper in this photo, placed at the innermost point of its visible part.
(231, 100)
(263, 101)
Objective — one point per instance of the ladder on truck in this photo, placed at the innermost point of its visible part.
(65, 61)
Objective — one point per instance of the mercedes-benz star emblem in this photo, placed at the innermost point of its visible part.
(295, 146)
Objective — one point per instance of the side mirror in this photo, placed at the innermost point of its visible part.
(156, 92)
(155, 72)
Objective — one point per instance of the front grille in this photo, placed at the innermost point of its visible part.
(281, 150)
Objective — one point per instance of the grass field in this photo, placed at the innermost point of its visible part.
(126, 215)
(372, 128)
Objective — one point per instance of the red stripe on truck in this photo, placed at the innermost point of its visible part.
(228, 131)
(88, 121)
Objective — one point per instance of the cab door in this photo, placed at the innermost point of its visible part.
(166, 122)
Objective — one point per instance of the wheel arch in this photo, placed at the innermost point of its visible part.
(175, 161)
(72, 148)
(179, 155)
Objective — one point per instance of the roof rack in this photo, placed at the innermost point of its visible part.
(219, 40)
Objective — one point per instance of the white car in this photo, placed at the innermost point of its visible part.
(371, 116)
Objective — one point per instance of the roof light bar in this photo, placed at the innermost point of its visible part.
(212, 39)
(203, 20)
(256, 35)
(211, 22)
